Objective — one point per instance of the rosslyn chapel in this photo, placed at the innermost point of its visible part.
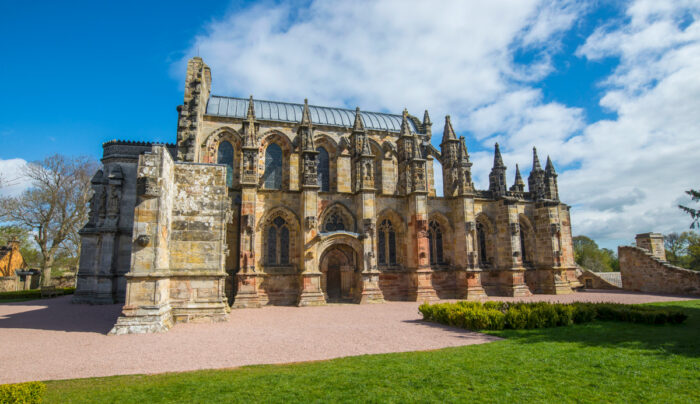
(273, 203)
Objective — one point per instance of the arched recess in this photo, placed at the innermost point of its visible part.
(485, 241)
(212, 145)
(337, 216)
(439, 223)
(390, 168)
(528, 241)
(283, 142)
(389, 221)
(331, 147)
(378, 164)
(271, 227)
(340, 258)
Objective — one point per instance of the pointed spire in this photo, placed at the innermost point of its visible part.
(405, 128)
(251, 109)
(306, 115)
(358, 126)
(497, 159)
(448, 133)
(549, 168)
(535, 160)
(305, 130)
(426, 119)
(519, 185)
(249, 135)
(464, 155)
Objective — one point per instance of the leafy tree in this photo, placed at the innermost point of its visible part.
(54, 207)
(683, 249)
(694, 213)
(588, 255)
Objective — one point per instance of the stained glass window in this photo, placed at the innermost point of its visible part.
(272, 178)
(523, 250)
(278, 242)
(334, 222)
(386, 244)
(481, 235)
(435, 243)
(224, 155)
(322, 168)
(272, 245)
(284, 246)
(381, 246)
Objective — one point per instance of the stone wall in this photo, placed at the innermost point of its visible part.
(642, 271)
(8, 283)
(65, 281)
(179, 245)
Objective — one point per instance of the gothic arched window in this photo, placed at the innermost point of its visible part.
(435, 243)
(272, 178)
(523, 249)
(334, 222)
(224, 155)
(323, 169)
(278, 243)
(386, 243)
(481, 236)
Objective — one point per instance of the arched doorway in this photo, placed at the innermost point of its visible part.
(338, 265)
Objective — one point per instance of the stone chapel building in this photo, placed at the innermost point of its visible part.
(263, 202)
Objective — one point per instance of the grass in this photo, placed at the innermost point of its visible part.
(594, 362)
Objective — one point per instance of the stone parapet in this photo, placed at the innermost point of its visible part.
(644, 272)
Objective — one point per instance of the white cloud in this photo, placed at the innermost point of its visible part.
(458, 58)
(13, 182)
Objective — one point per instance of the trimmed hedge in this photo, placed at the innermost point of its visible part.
(492, 315)
(28, 393)
(30, 294)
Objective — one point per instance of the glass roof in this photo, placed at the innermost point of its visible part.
(287, 112)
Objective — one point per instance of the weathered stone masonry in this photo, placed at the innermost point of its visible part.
(274, 203)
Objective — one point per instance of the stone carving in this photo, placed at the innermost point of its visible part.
(554, 228)
(310, 222)
(143, 240)
(515, 229)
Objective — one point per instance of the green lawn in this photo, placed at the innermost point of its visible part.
(595, 362)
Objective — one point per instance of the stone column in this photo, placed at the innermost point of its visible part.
(418, 254)
(311, 293)
(467, 273)
(550, 271)
(368, 291)
(147, 307)
(512, 272)
(247, 285)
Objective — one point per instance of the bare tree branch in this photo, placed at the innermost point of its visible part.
(55, 207)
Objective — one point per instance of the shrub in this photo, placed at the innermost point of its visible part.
(499, 315)
(22, 392)
(30, 294)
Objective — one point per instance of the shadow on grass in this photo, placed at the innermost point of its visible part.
(676, 339)
(59, 314)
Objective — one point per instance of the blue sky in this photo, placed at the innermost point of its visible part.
(609, 89)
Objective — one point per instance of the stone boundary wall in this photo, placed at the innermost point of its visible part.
(597, 281)
(67, 281)
(8, 283)
(641, 271)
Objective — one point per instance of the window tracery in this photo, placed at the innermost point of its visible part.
(224, 155)
(323, 169)
(386, 243)
(278, 242)
(435, 243)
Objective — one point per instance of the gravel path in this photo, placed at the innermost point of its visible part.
(54, 339)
